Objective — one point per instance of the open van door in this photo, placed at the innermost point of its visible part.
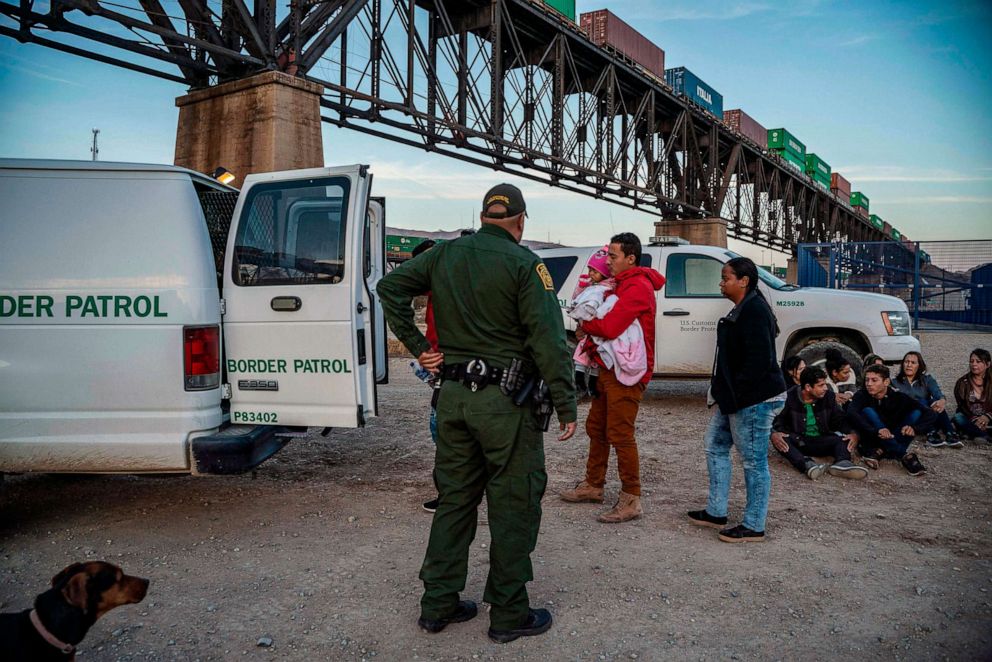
(375, 247)
(297, 325)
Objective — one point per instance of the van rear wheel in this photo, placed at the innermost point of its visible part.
(816, 354)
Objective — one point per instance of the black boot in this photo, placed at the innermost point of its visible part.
(592, 386)
(538, 622)
(466, 611)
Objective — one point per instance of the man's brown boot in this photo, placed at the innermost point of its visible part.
(628, 507)
(583, 493)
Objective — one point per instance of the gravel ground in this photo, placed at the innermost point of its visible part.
(318, 556)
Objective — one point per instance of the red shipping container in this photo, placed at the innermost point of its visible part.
(840, 186)
(862, 212)
(746, 125)
(604, 28)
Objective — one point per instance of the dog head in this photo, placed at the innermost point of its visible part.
(96, 587)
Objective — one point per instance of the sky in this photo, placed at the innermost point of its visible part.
(894, 95)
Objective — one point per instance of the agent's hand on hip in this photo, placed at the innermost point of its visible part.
(431, 360)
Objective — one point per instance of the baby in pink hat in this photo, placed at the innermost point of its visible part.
(597, 273)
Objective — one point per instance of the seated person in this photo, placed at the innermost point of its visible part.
(840, 377)
(886, 421)
(812, 423)
(792, 367)
(973, 393)
(914, 380)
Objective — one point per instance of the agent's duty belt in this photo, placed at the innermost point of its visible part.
(525, 387)
(476, 374)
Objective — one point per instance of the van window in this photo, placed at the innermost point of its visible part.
(645, 260)
(696, 276)
(559, 268)
(292, 233)
(218, 210)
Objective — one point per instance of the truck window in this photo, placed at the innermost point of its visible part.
(292, 233)
(695, 276)
(559, 268)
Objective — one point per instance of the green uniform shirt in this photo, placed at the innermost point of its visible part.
(493, 299)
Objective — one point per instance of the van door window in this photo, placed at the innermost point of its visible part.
(559, 268)
(292, 234)
(692, 276)
(645, 260)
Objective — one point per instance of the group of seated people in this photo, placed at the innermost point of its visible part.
(826, 414)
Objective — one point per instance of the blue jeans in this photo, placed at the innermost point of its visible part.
(895, 447)
(969, 429)
(433, 425)
(749, 430)
(943, 420)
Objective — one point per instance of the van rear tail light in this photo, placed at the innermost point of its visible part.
(201, 357)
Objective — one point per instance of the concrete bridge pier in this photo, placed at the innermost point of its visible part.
(267, 122)
(704, 231)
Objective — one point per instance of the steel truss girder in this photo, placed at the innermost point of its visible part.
(507, 84)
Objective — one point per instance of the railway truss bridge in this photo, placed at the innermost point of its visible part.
(505, 84)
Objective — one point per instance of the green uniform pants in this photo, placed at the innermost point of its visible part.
(485, 444)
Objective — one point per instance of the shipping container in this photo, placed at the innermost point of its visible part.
(896, 234)
(876, 221)
(859, 199)
(566, 7)
(840, 186)
(886, 229)
(791, 160)
(783, 140)
(818, 169)
(746, 125)
(862, 212)
(685, 82)
(605, 29)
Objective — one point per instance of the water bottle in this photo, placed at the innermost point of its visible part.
(420, 372)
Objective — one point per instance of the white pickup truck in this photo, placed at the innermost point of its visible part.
(811, 319)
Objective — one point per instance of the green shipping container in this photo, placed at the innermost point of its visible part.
(896, 234)
(780, 139)
(818, 169)
(789, 157)
(402, 244)
(566, 7)
(859, 199)
(876, 221)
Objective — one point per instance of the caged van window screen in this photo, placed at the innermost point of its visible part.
(293, 233)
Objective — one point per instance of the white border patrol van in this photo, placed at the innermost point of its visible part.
(811, 320)
(153, 320)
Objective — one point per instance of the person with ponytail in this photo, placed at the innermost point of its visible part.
(749, 390)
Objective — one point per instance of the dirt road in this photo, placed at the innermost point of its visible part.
(320, 552)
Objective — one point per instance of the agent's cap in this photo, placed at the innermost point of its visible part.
(507, 195)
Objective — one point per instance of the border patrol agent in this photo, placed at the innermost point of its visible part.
(501, 348)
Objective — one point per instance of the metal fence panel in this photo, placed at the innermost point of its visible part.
(945, 284)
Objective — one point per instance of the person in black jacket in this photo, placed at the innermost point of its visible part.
(747, 385)
(887, 421)
(812, 423)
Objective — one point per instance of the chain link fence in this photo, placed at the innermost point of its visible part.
(945, 284)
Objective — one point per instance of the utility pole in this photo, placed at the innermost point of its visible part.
(94, 150)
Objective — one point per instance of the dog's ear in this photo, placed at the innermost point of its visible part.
(75, 592)
(65, 573)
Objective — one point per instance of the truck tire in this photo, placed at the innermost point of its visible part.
(816, 354)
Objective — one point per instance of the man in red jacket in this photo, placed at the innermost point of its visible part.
(613, 412)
